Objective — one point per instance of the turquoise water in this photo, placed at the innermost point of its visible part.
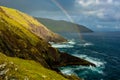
(103, 49)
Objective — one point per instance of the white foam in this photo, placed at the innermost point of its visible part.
(67, 71)
(85, 44)
(71, 42)
(62, 46)
(68, 44)
(96, 61)
(100, 65)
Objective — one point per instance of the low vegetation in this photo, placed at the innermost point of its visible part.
(20, 69)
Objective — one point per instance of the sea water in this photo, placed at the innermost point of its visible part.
(102, 49)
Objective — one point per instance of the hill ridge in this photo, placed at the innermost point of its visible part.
(61, 26)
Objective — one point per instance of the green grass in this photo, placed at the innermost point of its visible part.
(18, 27)
(17, 20)
(17, 40)
(28, 69)
(20, 17)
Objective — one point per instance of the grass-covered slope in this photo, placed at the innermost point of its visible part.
(60, 26)
(19, 69)
(17, 40)
(17, 18)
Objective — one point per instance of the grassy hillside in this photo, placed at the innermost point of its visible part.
(30, 56)
(17, 18)
(16, 40)
(19, 69)
(63, 26)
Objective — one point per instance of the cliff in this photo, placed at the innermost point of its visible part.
(22, 44)
(21, 19)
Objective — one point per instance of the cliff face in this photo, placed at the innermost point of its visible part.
(18, 39)
(14, 16)
(60, 26)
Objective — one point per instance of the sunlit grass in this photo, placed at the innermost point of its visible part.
(28, 69)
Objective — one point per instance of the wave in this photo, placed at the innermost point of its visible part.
(100, 65)
(86, 44)
(67, 71)
(71, 41)
(96, 61)
(62, 46)
(69, 44)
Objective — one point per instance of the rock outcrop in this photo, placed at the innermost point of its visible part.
(67, 60)
(18, 40)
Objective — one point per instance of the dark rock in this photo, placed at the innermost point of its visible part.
(66, 60)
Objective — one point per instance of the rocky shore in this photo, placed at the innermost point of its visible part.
(22, 37)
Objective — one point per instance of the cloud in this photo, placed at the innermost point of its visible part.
(117, 27)
(100, 26)
(110, 1)
(101, 9)
(99, 13)
(86, 3)
(107, 10)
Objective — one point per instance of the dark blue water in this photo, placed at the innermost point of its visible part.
(103, 49)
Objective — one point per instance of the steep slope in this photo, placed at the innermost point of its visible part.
(17, 40)
(19, 69)
(31, 24)
(60, 26)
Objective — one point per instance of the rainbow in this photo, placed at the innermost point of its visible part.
(67, 15)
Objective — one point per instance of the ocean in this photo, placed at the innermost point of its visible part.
(100, 48)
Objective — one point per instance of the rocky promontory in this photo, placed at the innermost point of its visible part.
(23, 39)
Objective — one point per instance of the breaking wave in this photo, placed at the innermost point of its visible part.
(69, 44)
(85, 44)
(84, 70)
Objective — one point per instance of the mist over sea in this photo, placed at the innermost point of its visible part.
(101, 48)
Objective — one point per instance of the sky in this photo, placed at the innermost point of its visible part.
(98, 15)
